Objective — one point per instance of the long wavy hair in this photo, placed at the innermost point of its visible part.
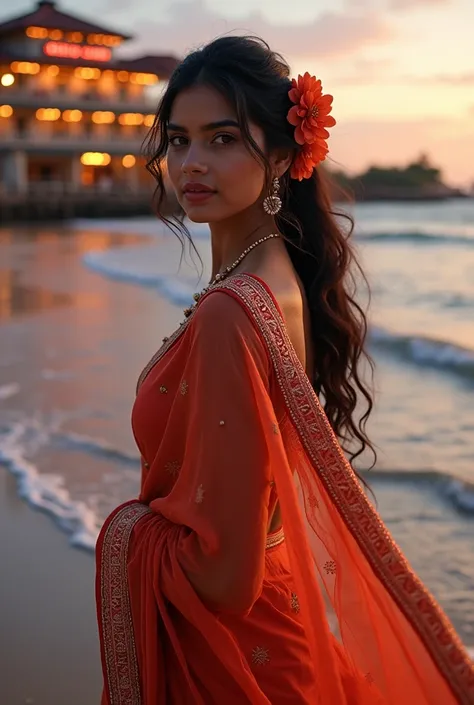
(255, 81)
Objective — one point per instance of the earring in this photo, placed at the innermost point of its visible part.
(272, 203)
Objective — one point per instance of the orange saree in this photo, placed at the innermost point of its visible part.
(325, 611)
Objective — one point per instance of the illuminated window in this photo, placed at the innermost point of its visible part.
(48, 114)
(55, 34)
(25, 67)
(144, 79)
(7, 80)
(6, 111)
(52, 70)
(103, 117)
(87, 73)
(95, 159)
(75, 37)
(122, 76)
(36, 32)
(131, 119)
(128, 161)
(72, 115)
(149, 120)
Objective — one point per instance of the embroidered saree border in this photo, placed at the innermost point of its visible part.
(342, 485)
(119, 651)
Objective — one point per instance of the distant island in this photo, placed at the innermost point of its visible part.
(420, 180)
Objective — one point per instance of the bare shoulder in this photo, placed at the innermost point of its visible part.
(285, 287)
(289, 293)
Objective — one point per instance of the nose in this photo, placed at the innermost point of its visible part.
(192, 162)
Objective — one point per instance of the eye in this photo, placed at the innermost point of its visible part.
(225, 137)
(174, 140)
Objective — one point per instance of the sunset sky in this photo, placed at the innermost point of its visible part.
(401, 71)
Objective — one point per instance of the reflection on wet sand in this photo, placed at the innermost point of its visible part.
(17, 298)
(34, 279)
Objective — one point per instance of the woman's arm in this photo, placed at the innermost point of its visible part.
(223, 489)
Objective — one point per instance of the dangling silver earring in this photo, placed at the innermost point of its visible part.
(272, 203)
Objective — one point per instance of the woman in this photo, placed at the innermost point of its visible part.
(253, 569)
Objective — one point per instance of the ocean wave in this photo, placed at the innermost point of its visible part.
(94, 446)
(148, 226)
(46, 491)
(178, 290)
(427, 352)
(416, 236)
(9, 390)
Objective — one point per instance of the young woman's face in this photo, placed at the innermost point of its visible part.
(212, 172)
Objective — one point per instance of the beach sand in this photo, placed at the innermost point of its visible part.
(48, 646)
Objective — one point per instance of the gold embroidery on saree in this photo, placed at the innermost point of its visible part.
(295, 603)
(199, 495)
(121, 663)
(184, 388)
(275, 539)
(330, 567)
(173, 467)
(260, 656)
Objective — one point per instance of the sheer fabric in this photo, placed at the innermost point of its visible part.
(227, 422)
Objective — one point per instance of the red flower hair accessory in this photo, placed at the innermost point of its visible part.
(310, 116)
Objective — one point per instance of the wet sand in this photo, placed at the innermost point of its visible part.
(48, 645)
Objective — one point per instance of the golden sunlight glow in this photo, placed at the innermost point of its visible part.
(7, 80)
(72, 115)
(48, 114)
(128, 161)
(103, 117)
(6, 111)
(131, 119)
(25, 67)
(95, 159)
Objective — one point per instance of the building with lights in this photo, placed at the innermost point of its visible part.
(73, 115)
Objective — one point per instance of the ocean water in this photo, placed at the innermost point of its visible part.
(83, 307)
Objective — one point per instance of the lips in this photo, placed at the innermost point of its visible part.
(194, 187)
(196, 193)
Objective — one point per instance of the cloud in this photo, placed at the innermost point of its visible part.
(445, 79)
(190, 23)
(367, 71)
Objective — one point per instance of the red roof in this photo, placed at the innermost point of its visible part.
(46, 15)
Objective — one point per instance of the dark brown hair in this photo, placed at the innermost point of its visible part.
(255, 81)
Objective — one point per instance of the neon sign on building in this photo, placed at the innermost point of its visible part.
(63, 50)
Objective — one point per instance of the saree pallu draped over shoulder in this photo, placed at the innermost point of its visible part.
(240, 426)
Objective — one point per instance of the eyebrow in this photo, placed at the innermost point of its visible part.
(205, 128)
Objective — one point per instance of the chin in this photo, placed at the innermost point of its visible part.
(203, 214)
(195, 217)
